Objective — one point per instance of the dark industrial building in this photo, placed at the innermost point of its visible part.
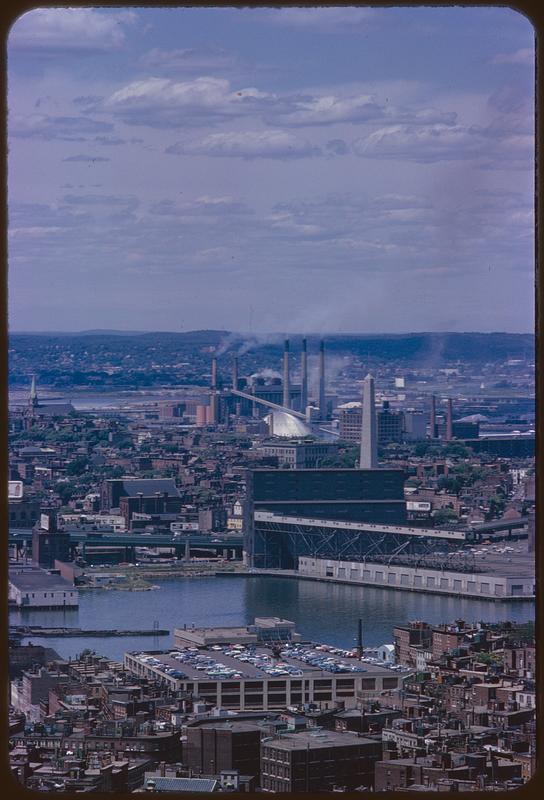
(216, 746)
(49, 546)
(346, 495)
(465, 430)
(318, 761)
(522, 446)
(114, 489)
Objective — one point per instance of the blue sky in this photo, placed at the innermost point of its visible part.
(325, 169)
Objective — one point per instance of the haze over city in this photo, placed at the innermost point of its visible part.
(328, 169)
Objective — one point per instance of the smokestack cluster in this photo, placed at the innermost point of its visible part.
(286, 388)
(286, 382)
(369, 429)
(304, 377)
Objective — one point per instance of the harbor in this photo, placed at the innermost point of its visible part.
(321, 610)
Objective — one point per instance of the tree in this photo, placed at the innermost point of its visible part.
(65, 491)
(78, 466)
(450, 484)
(457, 449)
(496, 507)
(444, 515)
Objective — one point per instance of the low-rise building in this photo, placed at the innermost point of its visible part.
(318, 761)
(32, 587)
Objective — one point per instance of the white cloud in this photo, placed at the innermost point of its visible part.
(85, 158)
(76, 30)
(160, 102)
(422, 144)
(329, 109)
(323, 19)
(201, 206)
(203, 60)
(42, 126)
(525, 56)
(37, 230)
(248, 145)
(496, 148)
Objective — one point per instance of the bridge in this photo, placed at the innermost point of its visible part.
(80, 540)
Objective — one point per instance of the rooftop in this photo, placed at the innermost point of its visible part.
(38, 579)
(238, 662)
(316, 740)
(161, 784)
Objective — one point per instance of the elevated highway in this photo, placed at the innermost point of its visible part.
(80, 540)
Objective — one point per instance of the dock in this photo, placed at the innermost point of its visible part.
(38, 630)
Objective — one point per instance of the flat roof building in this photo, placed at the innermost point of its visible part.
(251, 676)
(358, 495)
(264, 629)
(318, 761)
(35, 588)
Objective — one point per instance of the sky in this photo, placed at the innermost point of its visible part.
(309, 170)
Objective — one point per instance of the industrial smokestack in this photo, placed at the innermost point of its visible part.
(449, 420)
(214, 373)
(432, 421)
(322, 400)
(286, 383)
(213, 394)
(304, 377)
(235, 373)
(369, 440)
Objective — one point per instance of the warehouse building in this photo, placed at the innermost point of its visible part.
(490, 585)
(32, 587)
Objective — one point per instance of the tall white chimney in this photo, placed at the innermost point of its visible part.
(304, 377)
(369, 431)
(322, 399)
(286, 383)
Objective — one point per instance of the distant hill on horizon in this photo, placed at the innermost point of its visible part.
(422, 348)
(102, 359)
(247, 334)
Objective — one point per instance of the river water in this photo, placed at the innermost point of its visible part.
(103, 401)
(324, 612)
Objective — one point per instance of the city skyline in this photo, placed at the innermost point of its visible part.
(328, 169)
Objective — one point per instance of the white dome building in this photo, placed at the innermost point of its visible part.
(284, 425)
